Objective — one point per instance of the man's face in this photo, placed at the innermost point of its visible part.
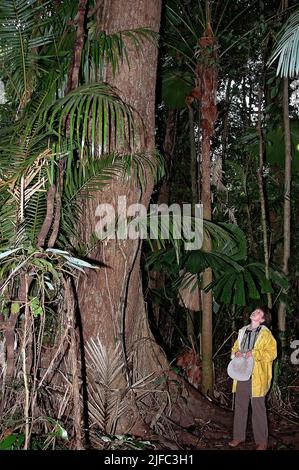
(257, 316)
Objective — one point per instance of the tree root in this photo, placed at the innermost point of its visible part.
(193, 407)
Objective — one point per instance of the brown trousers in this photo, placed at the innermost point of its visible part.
(259, 414)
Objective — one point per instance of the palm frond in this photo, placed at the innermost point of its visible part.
(106, 398)
(227, 239)
(197, 261)
(102, 48)
(93, 116)
(138, 165)
(243, 286)
(8, 217)
(35, 215)
(107, 394)
(287, 48)
(82, 181)
(19, 39)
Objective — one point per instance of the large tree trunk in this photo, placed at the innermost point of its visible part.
(111, 300)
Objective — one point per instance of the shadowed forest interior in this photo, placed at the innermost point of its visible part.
(124, 127)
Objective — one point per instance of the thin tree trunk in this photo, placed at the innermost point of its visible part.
(77, 51)
(193, 156)
(252, 245)
(262, 194)
(224, 137)
(287, 207)
(244, 104)
(245, 112)
(157, 279)
(168, 147)
(77, 415)
(24, 366)
(193, 175)
(207, 334)
(207, 277)
(207, 78)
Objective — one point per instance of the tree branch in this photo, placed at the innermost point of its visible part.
(49, 217)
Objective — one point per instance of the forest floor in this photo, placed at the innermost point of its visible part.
(283, 435)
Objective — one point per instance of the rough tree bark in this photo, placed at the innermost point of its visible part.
(111, 300)
(77, 52)
(207, 78)
(193, 175)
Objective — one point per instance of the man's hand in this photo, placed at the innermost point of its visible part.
(239, 354)
(248, 354)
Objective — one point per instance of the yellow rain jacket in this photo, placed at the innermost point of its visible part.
(264, 353)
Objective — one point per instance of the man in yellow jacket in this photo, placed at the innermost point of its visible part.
(254, 340)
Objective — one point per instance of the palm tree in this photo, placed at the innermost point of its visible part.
(286, 49)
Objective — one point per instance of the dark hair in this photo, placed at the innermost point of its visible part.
(267, 314)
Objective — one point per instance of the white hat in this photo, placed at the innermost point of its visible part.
(240, 368)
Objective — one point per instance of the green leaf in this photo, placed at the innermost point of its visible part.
(57, 251)
(61, 432)
(15, 308)
(79, 262)
(228, 289)
(176, 86)
(4, 254)
(196, 262)
(239, 291)
(279, 279)
(218, 285)
(275, 150)
(252, 291)
(287, 48)
(93, 103)
(13, 441)
(36, 307)
(238, 237)
(257, 271)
